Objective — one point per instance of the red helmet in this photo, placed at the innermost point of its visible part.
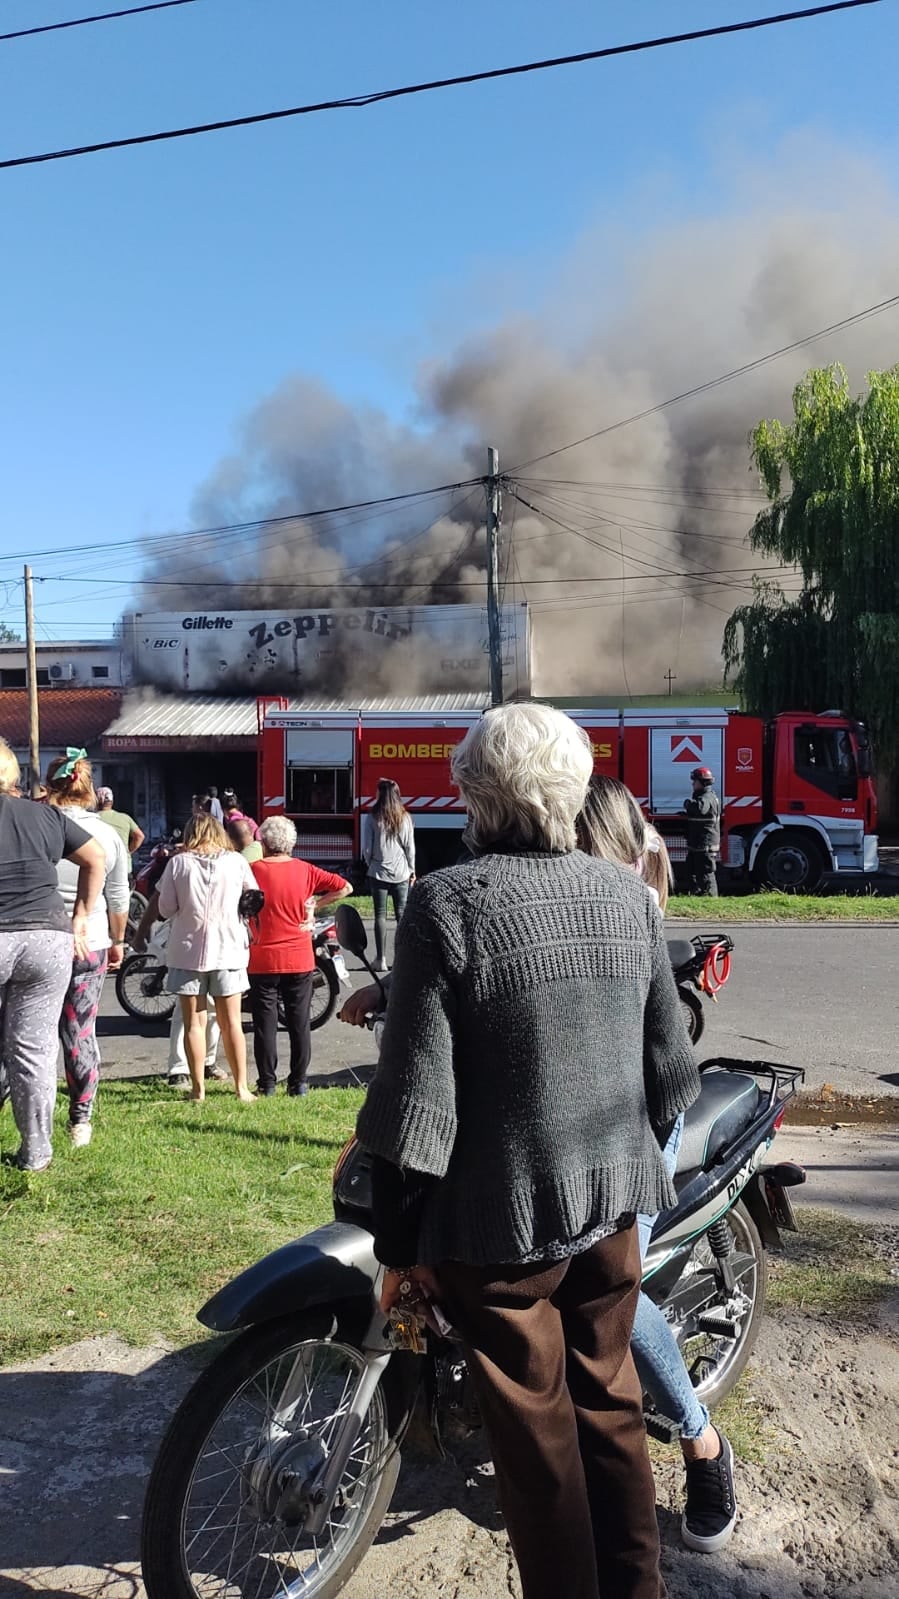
(701, 774)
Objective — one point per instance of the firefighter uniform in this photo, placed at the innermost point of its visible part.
(703, 812)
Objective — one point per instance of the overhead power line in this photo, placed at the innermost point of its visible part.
(84, 22)
(302, 586)
(151, 543)
(712, 383)
(356, 102)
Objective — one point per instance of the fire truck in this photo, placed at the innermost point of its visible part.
(797, 792)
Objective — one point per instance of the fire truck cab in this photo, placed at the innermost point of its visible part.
(797, 793)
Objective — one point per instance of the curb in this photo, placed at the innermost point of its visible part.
(780, 921)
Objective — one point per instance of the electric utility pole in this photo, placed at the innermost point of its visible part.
(494, 526)
(34, 737)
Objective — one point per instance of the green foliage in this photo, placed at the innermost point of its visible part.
(8, 635)
(832, 477)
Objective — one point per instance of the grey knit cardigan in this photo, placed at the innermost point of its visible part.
(534, 1047)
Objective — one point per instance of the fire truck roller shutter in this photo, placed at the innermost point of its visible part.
(316, 746)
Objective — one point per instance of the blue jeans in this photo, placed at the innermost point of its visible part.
(659, 1362)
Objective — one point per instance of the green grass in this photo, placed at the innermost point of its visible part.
(829, 1268)
(759, 907)
(785, 908)
(169, 1201)
(363, 903)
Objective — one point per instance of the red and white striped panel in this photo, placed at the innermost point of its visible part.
(743, 802)
(421, 802)
(324, 847)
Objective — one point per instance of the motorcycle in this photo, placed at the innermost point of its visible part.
(278, 1468)
(701, 966)
(146, 881)
(141, 991)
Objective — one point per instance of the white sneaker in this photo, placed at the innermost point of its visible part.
(80, 1134)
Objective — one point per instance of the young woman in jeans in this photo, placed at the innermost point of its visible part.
(612, 826)
(208, 946)
(388, 849)
(70, 788)
(37, 939)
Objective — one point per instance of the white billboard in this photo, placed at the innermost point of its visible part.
(426, 649)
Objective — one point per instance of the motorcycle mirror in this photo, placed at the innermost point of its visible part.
(351, 930)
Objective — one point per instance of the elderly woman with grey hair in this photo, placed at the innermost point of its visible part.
(533, 1060)
(282, 960)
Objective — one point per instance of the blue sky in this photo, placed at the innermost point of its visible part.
(153, 296)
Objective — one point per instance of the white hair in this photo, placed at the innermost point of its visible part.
(278, 835)
(523, 772)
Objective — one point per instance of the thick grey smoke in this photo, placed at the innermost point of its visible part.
(609, 528)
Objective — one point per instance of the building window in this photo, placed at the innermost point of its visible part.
(43, 677)
(99, 671)
(12, 677)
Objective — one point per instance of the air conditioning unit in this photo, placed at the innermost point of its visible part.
(62, 672)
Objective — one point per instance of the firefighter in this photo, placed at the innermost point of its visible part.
(703, 812)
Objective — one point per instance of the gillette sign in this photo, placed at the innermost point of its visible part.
(413, 649)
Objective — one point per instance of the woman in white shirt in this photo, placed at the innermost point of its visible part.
(208, 946)
(70, 787)
(388, 849)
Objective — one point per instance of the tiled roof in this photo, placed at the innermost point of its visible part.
(187, 716)
(67, 715)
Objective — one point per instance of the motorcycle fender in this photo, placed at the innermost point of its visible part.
(331, 1265)
(753, 1197)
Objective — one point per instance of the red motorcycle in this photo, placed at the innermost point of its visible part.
(146, 881)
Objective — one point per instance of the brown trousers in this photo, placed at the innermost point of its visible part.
(549, 1349)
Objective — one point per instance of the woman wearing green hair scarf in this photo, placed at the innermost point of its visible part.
(70, 788)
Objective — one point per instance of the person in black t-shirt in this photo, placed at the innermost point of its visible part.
(37, 941)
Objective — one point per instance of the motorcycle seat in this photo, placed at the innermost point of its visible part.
(726, 1105)
(680, 951)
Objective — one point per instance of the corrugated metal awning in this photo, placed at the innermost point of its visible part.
(174, 721)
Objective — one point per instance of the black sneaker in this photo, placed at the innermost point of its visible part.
(708, 1521)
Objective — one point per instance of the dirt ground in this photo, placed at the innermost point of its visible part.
(818, 1520)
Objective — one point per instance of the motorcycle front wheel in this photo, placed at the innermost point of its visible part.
(325, 992)
(140, 989)
(226, 1504)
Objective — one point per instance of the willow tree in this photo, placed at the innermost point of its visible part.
(832, 480)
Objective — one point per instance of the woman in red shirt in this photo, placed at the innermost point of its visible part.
(281, 955)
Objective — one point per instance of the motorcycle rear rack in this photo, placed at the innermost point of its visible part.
(783, 1079)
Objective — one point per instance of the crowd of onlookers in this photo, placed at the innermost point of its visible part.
(525, 1119)
(238, 911)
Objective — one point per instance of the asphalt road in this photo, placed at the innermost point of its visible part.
(825, 998)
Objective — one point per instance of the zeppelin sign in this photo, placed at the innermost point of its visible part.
(412, 649)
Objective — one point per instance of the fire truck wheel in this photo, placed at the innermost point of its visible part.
(790, 862)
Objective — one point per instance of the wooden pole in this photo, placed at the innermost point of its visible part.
(494, 624)
(34, 734)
